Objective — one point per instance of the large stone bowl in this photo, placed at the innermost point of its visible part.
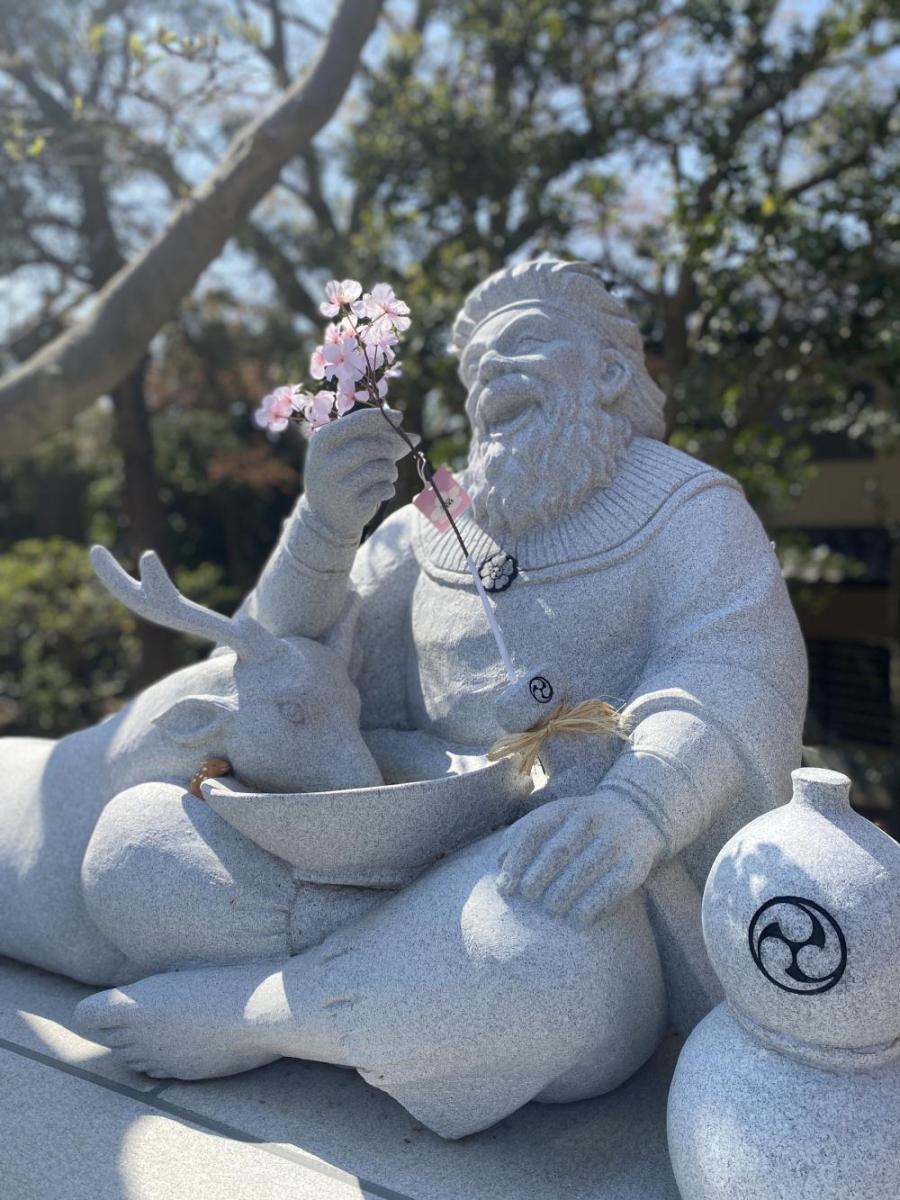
(377, 836)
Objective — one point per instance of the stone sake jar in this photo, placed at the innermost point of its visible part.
(790, 1089)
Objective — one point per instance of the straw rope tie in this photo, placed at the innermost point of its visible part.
(592, 717)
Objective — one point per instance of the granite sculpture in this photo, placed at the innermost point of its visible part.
(545, 956)
(67, 805)
(790, 1089)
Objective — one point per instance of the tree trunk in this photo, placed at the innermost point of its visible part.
(141, 504)
(143, 510)
(676, 349)
(894, 665)
(134, 437)
(92, 356)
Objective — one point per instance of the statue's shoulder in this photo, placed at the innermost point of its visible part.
(387, 553)
(660, 479)
(705, 509)
(672, 466)
(690, 512)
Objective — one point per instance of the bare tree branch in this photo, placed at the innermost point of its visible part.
(276, 51)
(315, 196)
(858, 156)
(283, 271)
(66, 376)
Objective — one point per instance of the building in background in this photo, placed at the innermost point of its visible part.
(852, 627)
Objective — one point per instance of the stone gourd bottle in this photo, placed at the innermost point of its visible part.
(790, 1089)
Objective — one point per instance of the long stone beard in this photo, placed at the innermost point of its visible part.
(529, 481)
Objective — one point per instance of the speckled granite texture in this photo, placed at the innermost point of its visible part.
(790, 1090)
(512, 955)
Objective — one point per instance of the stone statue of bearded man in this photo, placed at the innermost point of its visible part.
(554, 368)
(546, 960)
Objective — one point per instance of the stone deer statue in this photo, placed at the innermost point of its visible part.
(283, 711)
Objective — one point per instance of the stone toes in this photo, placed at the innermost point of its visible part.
(116, 1040)
(102, 1013)
(137, 1064)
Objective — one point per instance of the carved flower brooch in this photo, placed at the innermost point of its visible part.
(498, 571)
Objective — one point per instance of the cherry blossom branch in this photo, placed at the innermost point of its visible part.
(360, 326)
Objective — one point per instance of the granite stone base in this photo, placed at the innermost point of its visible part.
(73, 1124)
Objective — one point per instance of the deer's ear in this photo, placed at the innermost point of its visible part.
(194, 720)
(340, 636)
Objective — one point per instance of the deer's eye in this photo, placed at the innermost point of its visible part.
(292, 711)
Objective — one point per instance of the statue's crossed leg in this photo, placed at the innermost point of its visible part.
(459, 1003)
(171, 884)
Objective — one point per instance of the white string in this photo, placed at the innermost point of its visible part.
(511, 672)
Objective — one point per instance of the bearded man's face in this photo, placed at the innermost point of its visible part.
(542, 439)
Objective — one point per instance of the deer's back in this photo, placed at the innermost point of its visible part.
(51, 799)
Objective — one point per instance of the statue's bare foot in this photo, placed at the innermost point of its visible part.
(189, 1024)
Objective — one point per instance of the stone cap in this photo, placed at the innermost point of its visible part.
(828, 792)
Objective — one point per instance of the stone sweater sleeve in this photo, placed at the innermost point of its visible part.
(718, 710)
(303, 586)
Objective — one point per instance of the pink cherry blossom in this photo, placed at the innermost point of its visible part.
(378, 341)
(379, 333)
(343, 361)
(275, 410)
(317, 363)
(356, 358)
(339, 293)
(364, 396)
(344, 401)
(334, 331)
(381, 305)
(318, 410)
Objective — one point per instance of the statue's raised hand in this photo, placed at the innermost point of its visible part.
(351, 468)
(579, 856)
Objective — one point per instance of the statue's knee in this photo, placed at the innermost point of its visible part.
(171, 884)
(600, 988)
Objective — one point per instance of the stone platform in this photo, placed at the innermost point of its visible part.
(74, 1124)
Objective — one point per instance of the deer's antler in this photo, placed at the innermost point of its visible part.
(155, 597)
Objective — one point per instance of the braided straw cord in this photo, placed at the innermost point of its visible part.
(589, 717)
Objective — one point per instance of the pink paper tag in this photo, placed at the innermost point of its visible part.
(454, 494)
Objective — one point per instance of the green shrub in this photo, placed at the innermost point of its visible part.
(67, 649)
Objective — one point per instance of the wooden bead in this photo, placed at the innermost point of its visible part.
(210, 768)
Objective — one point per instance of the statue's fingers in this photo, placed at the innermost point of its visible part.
(583, 871)
(380, 470)
(612, 887)
(525, 839)
(364, 450)
(366, 425)
(556, 853)
(361, 423)
(371, 497)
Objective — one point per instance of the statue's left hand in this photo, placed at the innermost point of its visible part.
(580, 856)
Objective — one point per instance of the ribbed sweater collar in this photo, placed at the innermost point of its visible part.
(649, 476)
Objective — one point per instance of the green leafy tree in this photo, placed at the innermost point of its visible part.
(731, 166)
